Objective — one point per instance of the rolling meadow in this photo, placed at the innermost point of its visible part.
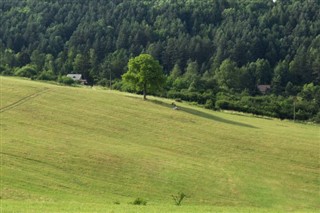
(83, 149)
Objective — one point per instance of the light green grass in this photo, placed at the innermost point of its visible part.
(67, 149)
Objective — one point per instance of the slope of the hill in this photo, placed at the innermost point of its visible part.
(82, 149)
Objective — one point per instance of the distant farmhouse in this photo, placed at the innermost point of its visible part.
(264, 88)
(77, 78)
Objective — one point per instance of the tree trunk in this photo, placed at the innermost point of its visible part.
(145, 91)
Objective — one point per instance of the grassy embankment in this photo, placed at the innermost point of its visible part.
(69, 149)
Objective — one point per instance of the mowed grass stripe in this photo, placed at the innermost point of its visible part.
(86, 145)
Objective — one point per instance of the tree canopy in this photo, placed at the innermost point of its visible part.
(144, 74)
(206, 47)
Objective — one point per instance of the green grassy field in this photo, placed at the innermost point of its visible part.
(66, 149)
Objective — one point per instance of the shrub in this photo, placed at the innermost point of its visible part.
(186, 95)
(223, 104)
(104, 82)
(139, 201)
(316, 118)
(5, 70)
(27, 71)
(47, 76)
(65, 80)
(209, 104)
(179, 198)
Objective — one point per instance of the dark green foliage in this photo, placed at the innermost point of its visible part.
(316, 118)
(5, 70)
(310, 92)
(104, 82)
(204, 47)
(228, 75)
(28, 71)
(224, 104)
(47, 76)
(65, 80)
(271, 105)
(207, 32)
(209, 104)
(185, 95)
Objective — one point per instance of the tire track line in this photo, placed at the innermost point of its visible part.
(22, 100)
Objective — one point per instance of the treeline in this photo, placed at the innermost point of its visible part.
(214, 52)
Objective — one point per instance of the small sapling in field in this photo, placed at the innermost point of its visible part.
(178, 198)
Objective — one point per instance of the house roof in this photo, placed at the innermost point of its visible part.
(264, 88)
(75, 77)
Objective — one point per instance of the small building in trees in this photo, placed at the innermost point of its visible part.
(264, 88)
(77, 78)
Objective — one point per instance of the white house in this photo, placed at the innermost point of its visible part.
(77, 77)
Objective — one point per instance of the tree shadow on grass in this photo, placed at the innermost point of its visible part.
(203, 114)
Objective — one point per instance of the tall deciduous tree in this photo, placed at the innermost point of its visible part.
(144, 74)
(228, 75)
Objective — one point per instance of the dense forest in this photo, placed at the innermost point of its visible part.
(213, 52)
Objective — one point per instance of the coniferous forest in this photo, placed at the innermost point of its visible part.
(213, 52)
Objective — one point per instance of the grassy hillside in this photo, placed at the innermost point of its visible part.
(69, 149)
